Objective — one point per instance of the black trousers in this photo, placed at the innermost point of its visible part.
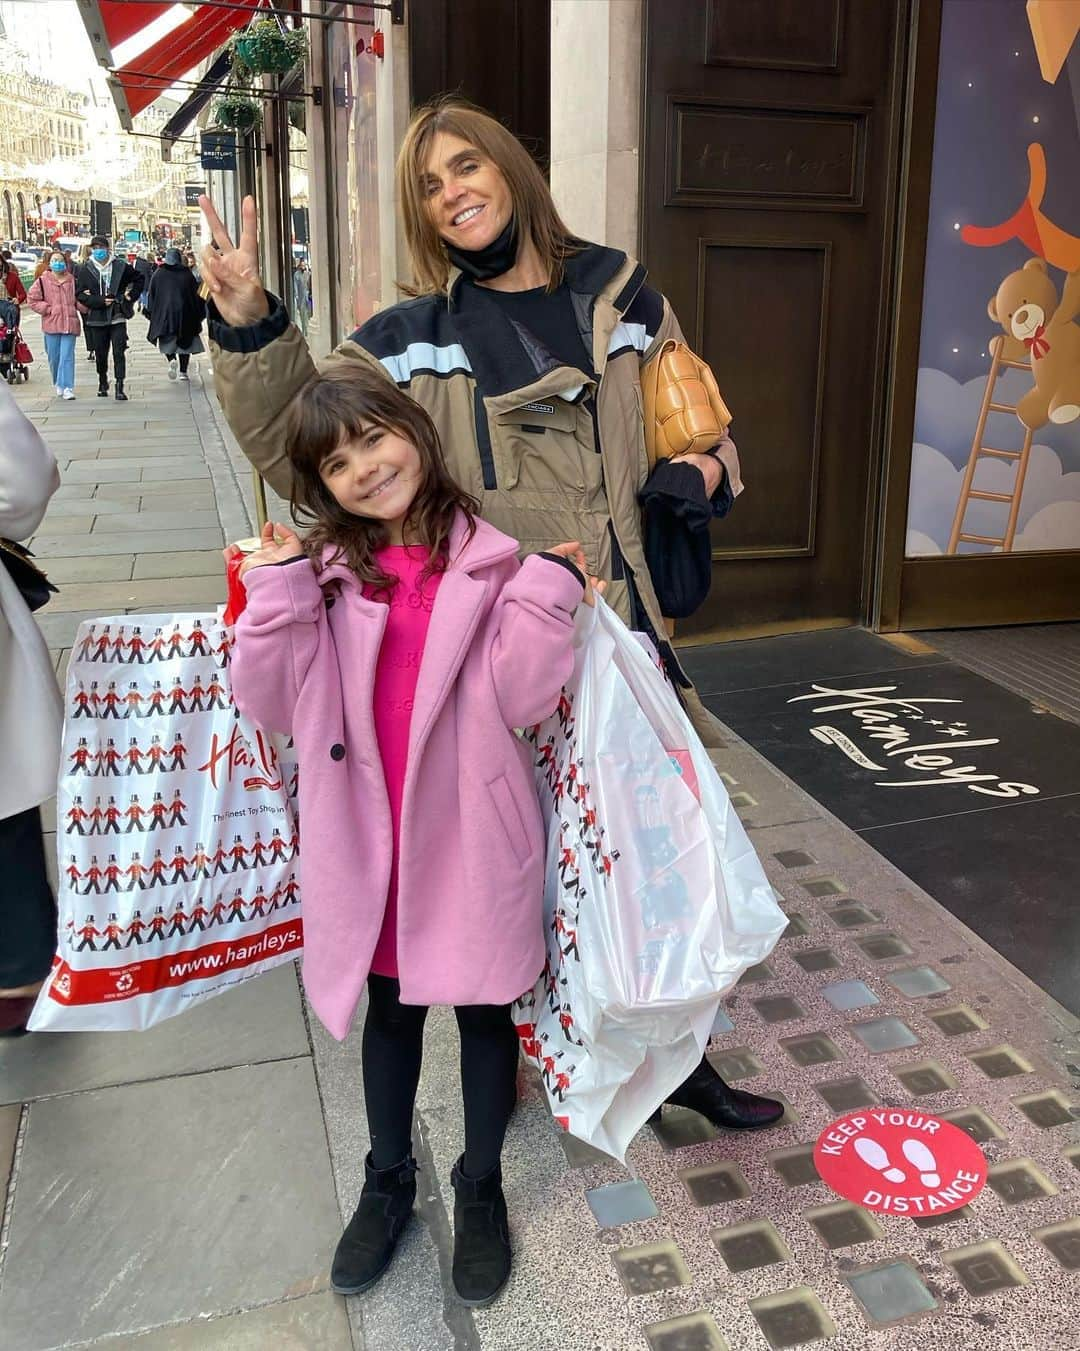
(392, 1054)
(27, 907)
(104, 336)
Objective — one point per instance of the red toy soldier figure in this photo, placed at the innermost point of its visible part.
(118, 645)
(111, 758)
(156, 646)
(179, 920)
(177, 694)
(178, 750)
(200, 863)
(76, 815)
(86, 644)
(92, 876)
(134, 929)
(179, 865)
(566, 1022)
(136, 646)
(215, 693)
(133, 701)
(258, 851)
(177, 808)
(292, 891)
(198, 917)
(197, 639)
(220, 855)
(96, 818)
(196, 693)
(133, 756)
(277, 847)
(95, 698)
(547, 1066)
(112, 874)
(156, 698)
(294, 843)
(88, 933)
(81, 700)
(157, 925)
(134, 813)
(221, 652)
(72, 873)
(154, 752)
(259, 903)
(113, 930)
(275, 899)
(176, 642)
(238, 854)
(101, 646)
(236, 907)
(217, 911)
(156, 870)
(562, 1083)
(79, 757)
(158, 810)
(112, 818)
(134, 872)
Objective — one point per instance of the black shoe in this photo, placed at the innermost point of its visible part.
(367, 1245)
(103, 391)
(481, 1236)
(730, 1108)
(121, 397)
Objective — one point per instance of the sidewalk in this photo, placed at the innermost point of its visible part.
(184, 1188)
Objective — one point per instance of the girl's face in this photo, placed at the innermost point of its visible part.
(374, 473)
(467, 196)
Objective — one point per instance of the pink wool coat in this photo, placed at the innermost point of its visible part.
(470, 872)
(54, 299)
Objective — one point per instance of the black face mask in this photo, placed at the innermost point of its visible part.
(492, 261)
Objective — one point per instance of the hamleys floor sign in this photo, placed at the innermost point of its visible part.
(900, 1162)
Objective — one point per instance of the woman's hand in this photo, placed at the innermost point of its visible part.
(711, 469)
(279, 544)
(231, 271)
(574, 552)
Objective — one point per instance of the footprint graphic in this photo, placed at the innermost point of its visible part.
(875, 1157)
(921, 1158)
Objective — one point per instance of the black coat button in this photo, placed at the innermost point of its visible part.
(337, 751)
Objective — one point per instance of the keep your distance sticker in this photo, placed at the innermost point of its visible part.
(900, 1162)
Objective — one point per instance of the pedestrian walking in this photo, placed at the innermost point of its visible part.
(31, 720)
(176, 314)
(11, 281)
(108, 286)
(301, 282)
(52, 296)
(416, 570)
(145, 268)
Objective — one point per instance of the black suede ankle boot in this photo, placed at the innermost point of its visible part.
(481, 1236)
(120, 395)
(730, 1108)
(367, 1245)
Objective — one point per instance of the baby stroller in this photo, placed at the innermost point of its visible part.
(15, 356)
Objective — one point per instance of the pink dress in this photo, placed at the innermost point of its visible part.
(395, 685)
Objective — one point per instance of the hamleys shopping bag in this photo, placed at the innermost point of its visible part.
(176, 830)
(654, 900)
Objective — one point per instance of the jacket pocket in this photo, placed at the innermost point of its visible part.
(508, 816)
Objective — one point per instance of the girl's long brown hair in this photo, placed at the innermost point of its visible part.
(534, 208)
(337, 405)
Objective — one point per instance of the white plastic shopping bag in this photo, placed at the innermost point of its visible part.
(176, 830)
(655, 902)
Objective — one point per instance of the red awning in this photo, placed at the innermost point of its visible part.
(145, 77)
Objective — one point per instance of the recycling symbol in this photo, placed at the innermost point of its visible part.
(125, 981)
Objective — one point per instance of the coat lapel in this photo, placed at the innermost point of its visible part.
(459, 604)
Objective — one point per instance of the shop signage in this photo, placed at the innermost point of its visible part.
(192, 193)
(900, 1162)
(904, 742)
(217, 149)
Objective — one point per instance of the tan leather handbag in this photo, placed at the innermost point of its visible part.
(684, 410)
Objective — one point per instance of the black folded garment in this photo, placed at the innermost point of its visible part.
(678, 546)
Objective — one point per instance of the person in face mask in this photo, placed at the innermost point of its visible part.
(108, 287)
(176, 312)
(53, 297)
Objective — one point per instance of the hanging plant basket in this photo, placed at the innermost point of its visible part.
(240, 112)
(264, 49)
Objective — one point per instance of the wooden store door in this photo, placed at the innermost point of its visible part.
(771, 135)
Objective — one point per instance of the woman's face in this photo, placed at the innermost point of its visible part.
(466, 193)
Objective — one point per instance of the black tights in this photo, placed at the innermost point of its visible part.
(393, 1050)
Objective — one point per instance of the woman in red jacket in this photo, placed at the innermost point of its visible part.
(9, 273)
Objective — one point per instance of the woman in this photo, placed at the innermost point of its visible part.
(31, 720)
(12, 282)
(52, 296)
(176, 313)
(301, 281)
(524, 344)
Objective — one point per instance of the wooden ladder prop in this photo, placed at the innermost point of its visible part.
(967, 492)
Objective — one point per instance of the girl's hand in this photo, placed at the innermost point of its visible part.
(279, 544)
(574, 552)
(232, 270)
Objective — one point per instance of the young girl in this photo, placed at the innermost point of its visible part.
(53, 297)
(400, 644)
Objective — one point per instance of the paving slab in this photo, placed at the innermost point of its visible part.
(260, 1021)
(9, 1132)
(96, 506)
(94, 1248)
(103, 471)
(311, 1323)
(165, 520)
(65, 524)
(59, 627)
(159, 542)
(104, 568)
(204, 563)
(144, 595)
(168, 470)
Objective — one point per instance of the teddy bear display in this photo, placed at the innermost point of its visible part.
(1027, 308)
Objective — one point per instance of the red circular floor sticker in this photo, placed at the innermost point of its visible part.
(899, 1161)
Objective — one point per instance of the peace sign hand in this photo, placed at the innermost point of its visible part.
(232, 270)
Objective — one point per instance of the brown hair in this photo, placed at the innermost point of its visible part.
(339, 404)
(534, 209)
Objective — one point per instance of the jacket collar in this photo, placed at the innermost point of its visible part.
(487, 546)
(595, 270)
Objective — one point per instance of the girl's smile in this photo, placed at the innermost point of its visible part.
(375, 473)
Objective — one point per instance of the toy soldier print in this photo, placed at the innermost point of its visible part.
(81, 700)
(292, 890)
(157, 646)
(176, 642)
(158, 810)
(258, 850)
(177, 808)
(88, 933)
(215, 693)
(196, 695)
(177, 694)
(157, 870)
(110, 699)
(134, 813)
(95, 698)
(217, 910)
(111, 758)
(236, 907)
(156, 698)
(101, 647)
(198, 917)
(200, 863)
(112, 818)
(76, 815)
(258, 903)
(157, 925)
(133, 756)
(179, 865)
(154, 752)
(277, 847)
(136, 646)
(135, 928)
(79, 756)
(112, 875)
(96, 817)
(238, 854)
(113, 930)
(134, 872)
(222, 650)
(86, 644)
(118, 645)
(179, 920)
(220, 855)
(133, 702)
(197, 639)
(72, 873)
(275, 899)
(92, 876)
(178, 751)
